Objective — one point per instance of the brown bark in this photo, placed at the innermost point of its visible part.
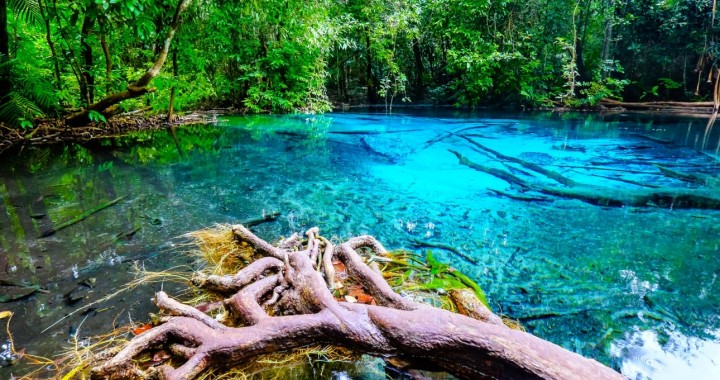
(369, 77)
(87, 85)
(419, 92)
(140, 87)
(171, 105)
(469, 348)
(108, 63)
(656, 105)
(51, 44)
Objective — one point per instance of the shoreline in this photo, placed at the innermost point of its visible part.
(54, 131)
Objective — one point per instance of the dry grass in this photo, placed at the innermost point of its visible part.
(221, 254)
(305, 363)
(218, 248)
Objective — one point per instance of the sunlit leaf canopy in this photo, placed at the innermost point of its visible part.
(293, 55)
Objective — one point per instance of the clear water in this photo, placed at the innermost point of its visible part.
(632, 287)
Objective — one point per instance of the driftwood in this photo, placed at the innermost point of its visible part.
(365, 133)
(79, 218)
(696, 178)
(54, 131)
(670, 106)
(290, 279)
(664, 197)
(250, 222)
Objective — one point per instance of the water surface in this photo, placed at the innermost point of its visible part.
(631, 287)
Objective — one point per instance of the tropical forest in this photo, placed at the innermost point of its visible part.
(370, 190)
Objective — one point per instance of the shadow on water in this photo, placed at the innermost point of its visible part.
(631, 287)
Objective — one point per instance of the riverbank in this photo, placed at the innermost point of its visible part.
(52, 131)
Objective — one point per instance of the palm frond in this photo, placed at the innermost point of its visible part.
(29, 10)
(14, 107)
(40, 91)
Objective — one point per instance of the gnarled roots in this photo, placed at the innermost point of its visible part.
(296, 277)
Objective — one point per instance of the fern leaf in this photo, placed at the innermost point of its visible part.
(15, 107)
(29, 10)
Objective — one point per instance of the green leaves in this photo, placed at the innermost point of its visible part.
(28, 10)
(440, 277)
(96, 117)
(17, 110)
(287, 55)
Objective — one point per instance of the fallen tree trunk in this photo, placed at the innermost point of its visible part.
(673, 106)
(106, 106)
(673, 198)
(664, 197)
(290, 278)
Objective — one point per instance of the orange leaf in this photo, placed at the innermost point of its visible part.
(364, 298)
(142, 328)
(339, 266)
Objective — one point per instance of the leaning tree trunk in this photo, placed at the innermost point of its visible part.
(290, 277)
(106, 106)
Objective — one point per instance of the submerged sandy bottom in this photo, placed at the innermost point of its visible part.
(633, 288)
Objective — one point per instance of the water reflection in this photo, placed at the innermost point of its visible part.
(582, 276)
(643, 356)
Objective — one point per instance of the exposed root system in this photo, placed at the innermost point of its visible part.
(308, 292)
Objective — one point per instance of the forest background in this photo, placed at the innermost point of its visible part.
(60, 58)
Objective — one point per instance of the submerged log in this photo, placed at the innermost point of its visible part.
(292, 280)
(79, 218)
(663, 197)
(674, 198)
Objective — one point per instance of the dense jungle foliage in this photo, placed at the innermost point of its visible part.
(58, 57)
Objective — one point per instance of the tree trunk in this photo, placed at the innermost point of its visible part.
(4, 37)
(87, 85)
(372, 94)
(663, 197)
(48, 38)
(171, 106)
(664, 105)
(106, 105)
(419, 92)
(469, 348)
(108, 63)
(5, 85)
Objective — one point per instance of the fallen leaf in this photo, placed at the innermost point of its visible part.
(5, 314)
(350, 299)
(142, 328)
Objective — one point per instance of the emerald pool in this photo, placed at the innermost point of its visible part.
(633, 287)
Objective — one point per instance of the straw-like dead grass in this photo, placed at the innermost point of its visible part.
(219, 253)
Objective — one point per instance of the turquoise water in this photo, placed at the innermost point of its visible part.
(632, 287)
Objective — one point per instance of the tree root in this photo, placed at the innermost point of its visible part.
(476, 346)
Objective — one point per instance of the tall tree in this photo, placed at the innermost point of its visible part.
(106, 106)
(4, 51)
